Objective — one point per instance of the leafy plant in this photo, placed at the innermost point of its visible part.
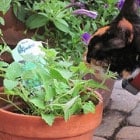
(51, 86)
(55, 23)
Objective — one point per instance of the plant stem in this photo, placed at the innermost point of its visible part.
(10, 102)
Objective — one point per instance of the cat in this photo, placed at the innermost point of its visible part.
(117, 45)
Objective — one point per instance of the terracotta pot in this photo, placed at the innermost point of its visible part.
(15, 126)
(106, 94)
(13, 30)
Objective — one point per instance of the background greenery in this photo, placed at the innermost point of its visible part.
(55, 23)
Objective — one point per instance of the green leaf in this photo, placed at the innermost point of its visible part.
(82, 68)
(48, 118)
(50, 93)
(61, 25)
(4, 5)
(43, 75)
(37, 102)
(10, 84)
(60, 87)
(14, 71)
(75, 108)
(76, 88)
(112, 1)
(66, 74)
(88, 107)
(56, 74)
(1, 34)
(2, 22)
(3, 64)
(67, 107)
(36, 21)
(65, 64)
(51, 53)
(28, 74)
(20, 12)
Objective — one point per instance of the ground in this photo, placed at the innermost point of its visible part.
(121, 119)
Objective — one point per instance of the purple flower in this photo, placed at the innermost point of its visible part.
(85, 38)
(85, 12)
(120, 4)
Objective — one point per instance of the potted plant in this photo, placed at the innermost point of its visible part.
(51, 92)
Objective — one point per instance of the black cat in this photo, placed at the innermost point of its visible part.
(118, 43)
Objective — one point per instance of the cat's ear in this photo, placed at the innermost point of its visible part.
(101, 31)
(124, 35)
(127, 30)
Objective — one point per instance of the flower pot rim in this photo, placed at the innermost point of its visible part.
(38, 117)
(35, 127)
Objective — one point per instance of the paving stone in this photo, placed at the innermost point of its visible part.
(110, 122)
(118, 84)
(138, 96)
(122, 100)
(129, 133)
(134, 118)
(98, 138)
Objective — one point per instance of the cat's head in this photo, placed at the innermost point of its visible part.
(108, 43)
